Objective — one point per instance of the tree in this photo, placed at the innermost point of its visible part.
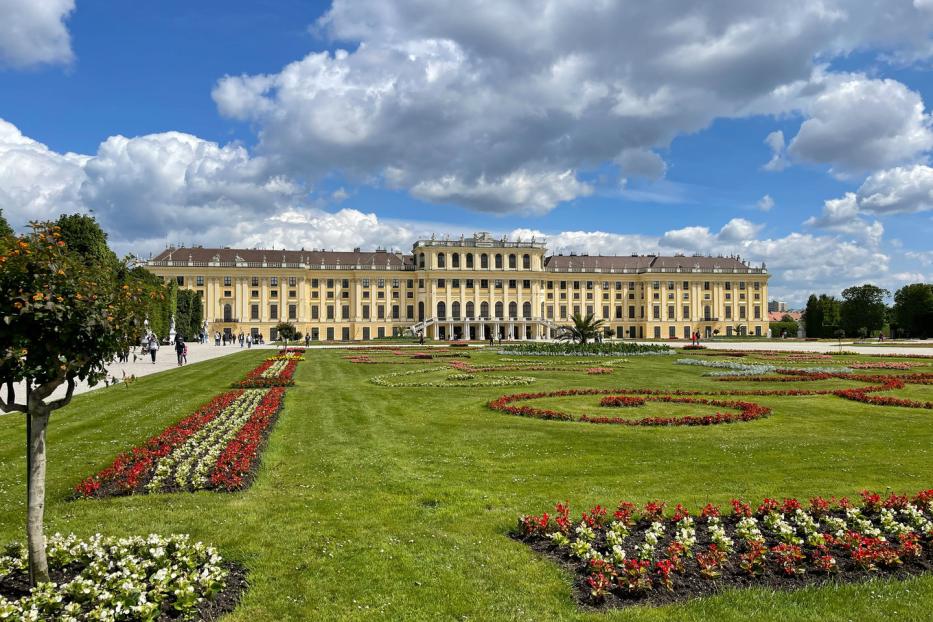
(913, 309)
(582, 330)
(813, 317)
(62, 321)
(285, 331)
(82, 235)
(5, 228)
(863, 309)
(188, 313)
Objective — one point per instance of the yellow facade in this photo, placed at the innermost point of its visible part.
(476, 288)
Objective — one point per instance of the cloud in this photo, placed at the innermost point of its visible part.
(699, 238)
(33, 32)
(765, 203)
(459, 102)
(778, 162)
(641, 163)
(863, 124)
(843, 216)
(901, 190)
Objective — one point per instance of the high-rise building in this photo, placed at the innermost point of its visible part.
(473, 288)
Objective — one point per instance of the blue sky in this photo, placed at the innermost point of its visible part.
(610, 129)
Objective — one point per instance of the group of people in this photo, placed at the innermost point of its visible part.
(695, 338)
(247, 339)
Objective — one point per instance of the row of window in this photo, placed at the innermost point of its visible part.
(512, 259)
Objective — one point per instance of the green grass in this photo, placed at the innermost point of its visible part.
(394, 503)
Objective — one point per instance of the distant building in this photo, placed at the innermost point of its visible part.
(777, 316)
(469, 288)
(777, 305)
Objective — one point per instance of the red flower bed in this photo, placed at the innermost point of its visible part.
(128, 469)
(239, 458)
(694, 347)
(256, 380)
(748, 411)
(641, 556)
(598, 371)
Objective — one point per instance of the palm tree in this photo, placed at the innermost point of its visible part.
(582, 330)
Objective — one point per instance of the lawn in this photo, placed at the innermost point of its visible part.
(395, 503)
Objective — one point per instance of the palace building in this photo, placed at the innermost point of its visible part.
(468, 288)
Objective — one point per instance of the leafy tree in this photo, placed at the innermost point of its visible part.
(821, 316)
(583, 329)
(913, 309)
(5, 228)
(188, 313)
(82, 235)
(863, 308)
(62, 321)
(285, 331)
(787, 324)
(813, 317)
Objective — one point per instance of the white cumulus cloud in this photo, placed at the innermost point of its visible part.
(33, 32)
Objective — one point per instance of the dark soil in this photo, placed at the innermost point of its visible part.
(690, 584)
(16, 585)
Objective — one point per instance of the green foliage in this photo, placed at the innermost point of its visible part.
(584, 328)
(787, 324)
(188, 314)
(62, 318)
(83, 236)
(913, 309)
(5, 228)
(822, 316)
(285, 331)
(863, 309)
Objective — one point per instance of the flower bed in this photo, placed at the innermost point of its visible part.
(641, 556)
(153, 578)
(216, 448)
(747, 411)
(584, 349)
(622, 401)
(278, 372)
(393, 380)
(693, 347)
(598, 371)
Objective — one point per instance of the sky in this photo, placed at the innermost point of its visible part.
(794, 134)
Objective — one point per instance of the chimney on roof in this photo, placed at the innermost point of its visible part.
(356, 250)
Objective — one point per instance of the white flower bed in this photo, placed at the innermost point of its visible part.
(190, 464)
(389, 380)
(755, 369)
(117, 579)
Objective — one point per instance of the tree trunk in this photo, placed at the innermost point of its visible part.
(38, 419)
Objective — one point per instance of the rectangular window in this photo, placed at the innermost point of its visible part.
(420, 283)
(410, 312)
(227, 293)
(410, 283)
(254, 293)
(273, 312)
(469, 283)
(380, 282)
(292, 293)
(512, 283)
(366, 295)
(330, 283)
(656, 312)
(254, 282)
(315, 312)
(273, 293)
(618, 312)
(314, 283)
(686, 311)
(441, 283)
(381, 312)
(757, 313)
(345, 312)
(365, 282)
(293, 312)
(455, 283)
(631, 312)
(728, 285)
(330, 312)
(563, 311)
(292, 281)
(498, 283)
(484, 283)
(728, 313)
(706, 286)
(526, 284)
(274, 281)
(365, 312)
(228, 281)
(395, 312)
(606, 312)
(670, 312)
(741, 313)
(254, 312)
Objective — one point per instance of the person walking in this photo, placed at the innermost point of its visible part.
(420, 338)
(153, 347)
(307, 339)
(179, 348)
(249, 341)
(242, 339)
(184, 355)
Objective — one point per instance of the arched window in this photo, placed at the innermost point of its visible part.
(513, 309)
(484, 261)
(441, 311)
(441, 260)
(498, 262)
(526, 261)
(421, 260)
(526, 310)
(498, 309)
(469, 260)
(228, 313)
(420, 311)
(484, 309)
(470, 309)
(455, 310)
(512, 261)
(455, 260)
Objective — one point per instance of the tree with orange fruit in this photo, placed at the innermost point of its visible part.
(62, 320)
